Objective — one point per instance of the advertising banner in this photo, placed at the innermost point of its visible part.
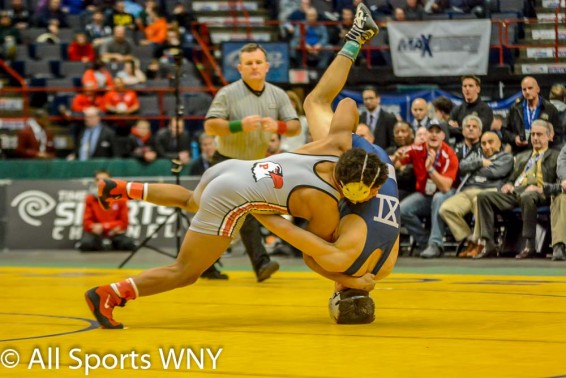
(48, 214)
(439, 48)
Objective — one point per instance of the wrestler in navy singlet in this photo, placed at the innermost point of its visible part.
(381, 213)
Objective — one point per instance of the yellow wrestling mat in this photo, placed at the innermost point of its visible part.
(426, 326)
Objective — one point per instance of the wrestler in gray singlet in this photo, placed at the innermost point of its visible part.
(232, 189)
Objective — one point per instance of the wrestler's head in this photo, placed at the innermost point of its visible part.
(360, 174)
(351, 306)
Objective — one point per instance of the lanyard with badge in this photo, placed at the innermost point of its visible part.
(529, 116)
(530, 163)
(430, 187)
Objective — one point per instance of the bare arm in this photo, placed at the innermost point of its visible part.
(332, 257)
(365, 282)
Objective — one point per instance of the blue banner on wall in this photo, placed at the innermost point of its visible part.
(401, 103)
(277, 56)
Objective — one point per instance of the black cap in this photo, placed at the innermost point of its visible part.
(441, 125)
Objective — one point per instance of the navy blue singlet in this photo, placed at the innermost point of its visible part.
(381, 213)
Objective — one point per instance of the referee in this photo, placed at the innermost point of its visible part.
(243, 116)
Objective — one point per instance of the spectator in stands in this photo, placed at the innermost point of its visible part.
(379, 121)
(174, 142)
(35, 141)
(121, 101)
(497, 126)
(131, 74)
(292, 143)
(181, 19)
(274, 146)
(96, 140)
(9, 37)
(81, 50)
(364, 131)
(419, 110)
(336, 33)
(52, 11)
(51, 35)
(404, 138)
(96, 30)
(19, 14)
(100, 224)
(403, 135)
(442, 108)
(172, 47)
(88, 98)
(140, 143)
(558, 209)
(436, 167)
(119, 17)
(314, 42)
(482, 170)
(557, 98)
(118, 48)
(533, 170)
(524, 112)
(472, 105)
(421, 135)
(98, 76)
(207, 146)
(143, 18)
(399, 15)
(153, 70)
(471, 130)
(413, 11)
(436, 6)
(156, 30)
(298, 15)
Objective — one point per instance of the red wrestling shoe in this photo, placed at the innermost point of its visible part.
(101, 301)
(110, 190)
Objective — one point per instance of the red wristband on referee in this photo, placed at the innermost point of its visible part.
(281, 127)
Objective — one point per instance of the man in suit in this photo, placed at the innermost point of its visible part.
(379, 121)
(419, 110)
(34, 140)
(207, 146)
(174, 142)
(532, 172)
(97, 140)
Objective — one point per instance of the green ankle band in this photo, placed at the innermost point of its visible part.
(350, 50)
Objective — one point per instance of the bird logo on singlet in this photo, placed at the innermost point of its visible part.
(268, 169)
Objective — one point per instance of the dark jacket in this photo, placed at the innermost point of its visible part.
(383, 132)
(477, 108)
(165, 144)
(516, 123)
(106, 146)
(459, 150)
(493, 176)
(549, 162)
(198, 166)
